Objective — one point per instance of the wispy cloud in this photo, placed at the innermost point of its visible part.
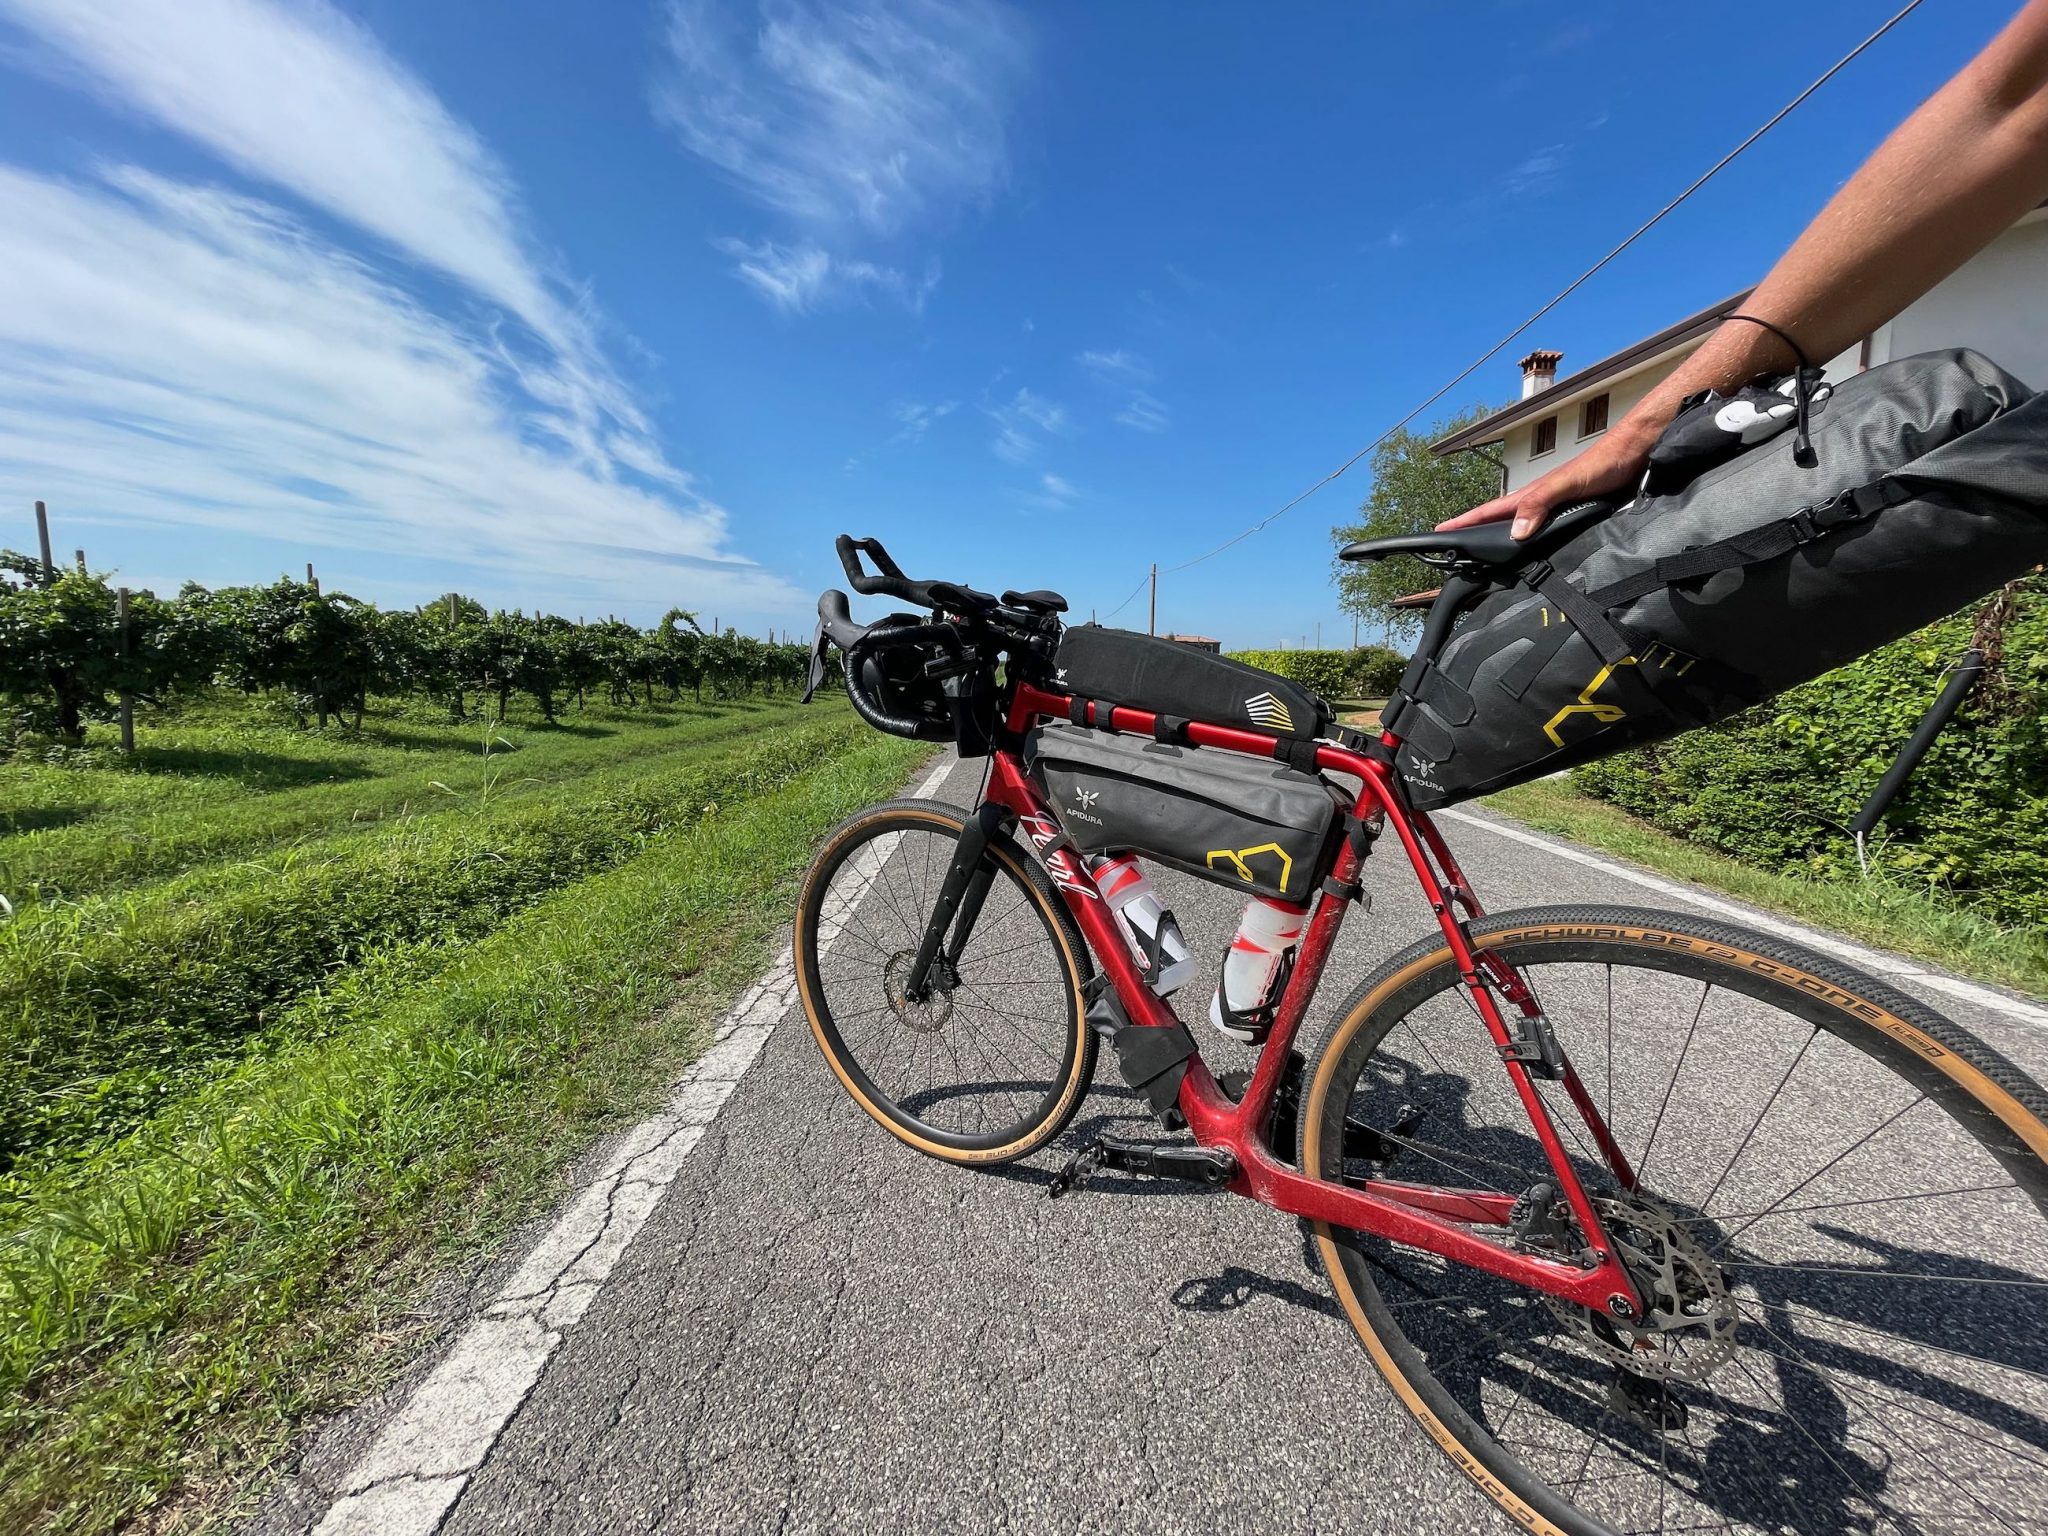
(1019, 420)
(303, 98)
(1144, 413)
(918, 419)
(853, 124)
(913, 420)
(1126, 372)
(173, 352)
(1056, 487)
(1116, 367)
(799, 278)
(1535, 173)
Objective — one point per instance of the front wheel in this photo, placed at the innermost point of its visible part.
(992, 1061)
(1840, 1220)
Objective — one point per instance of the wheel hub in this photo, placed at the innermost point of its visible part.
(928, 1014)
(1688, 1331)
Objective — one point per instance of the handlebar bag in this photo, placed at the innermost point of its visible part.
(1704, 595)
(1240, 821)
(1163, 677)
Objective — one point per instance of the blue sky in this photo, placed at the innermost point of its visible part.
(614, 306)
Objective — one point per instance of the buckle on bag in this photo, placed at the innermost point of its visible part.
(1806, 526)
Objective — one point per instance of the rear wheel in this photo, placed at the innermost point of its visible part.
(1840, 1221)
(992, 1062)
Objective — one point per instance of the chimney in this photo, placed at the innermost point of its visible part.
(1539, 371)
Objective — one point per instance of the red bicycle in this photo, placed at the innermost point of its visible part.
(1654, 1223)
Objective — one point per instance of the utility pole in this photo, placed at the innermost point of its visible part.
(127, 698)
(78, 556)
(312, 580)
(43, 540)
(1152, 607)
(454, 610)
(1319, 634)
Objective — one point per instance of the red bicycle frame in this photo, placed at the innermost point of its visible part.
(1435, 1218)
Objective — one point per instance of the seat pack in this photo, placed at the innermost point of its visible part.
(1162, 677)
(1743, 568)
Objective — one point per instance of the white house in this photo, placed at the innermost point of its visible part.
(1997, 303)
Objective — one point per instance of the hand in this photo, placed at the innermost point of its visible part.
(1615, 463)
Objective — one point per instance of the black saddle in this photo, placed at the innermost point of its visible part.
(1489, 547)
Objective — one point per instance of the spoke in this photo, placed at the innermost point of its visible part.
(1864, 1384)
(1883, 1274)
(1785, 1412)
(1610, 1050)
(1742, 1142)
(1827, 1320)
(1862, 1141)
(1836, 1205)
(1643, 1162)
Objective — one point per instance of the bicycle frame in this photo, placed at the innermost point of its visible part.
(1435, 1218)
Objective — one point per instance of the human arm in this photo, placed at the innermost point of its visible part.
(1948, 181)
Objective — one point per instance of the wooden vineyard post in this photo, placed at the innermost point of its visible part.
(127, 698)
(43, 544)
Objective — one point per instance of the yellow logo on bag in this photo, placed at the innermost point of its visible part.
(1269, 712)
(1676, 662)
(1239, 860)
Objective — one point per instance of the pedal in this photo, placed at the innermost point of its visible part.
(1193, 1165)
(1079, 1169)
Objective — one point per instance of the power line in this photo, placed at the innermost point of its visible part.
(1120, 607)
(1576, 283)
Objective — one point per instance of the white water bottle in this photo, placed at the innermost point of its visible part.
(1252, 970)
(1147, 926)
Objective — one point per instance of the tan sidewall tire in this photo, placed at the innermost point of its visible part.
(1860, 1002)
(899, 815)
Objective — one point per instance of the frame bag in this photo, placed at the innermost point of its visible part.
(1162, 677)
(1738, 572)
(1240, 821)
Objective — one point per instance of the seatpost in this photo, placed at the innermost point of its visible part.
(1458, 590)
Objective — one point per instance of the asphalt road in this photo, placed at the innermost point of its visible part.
(818, 1330)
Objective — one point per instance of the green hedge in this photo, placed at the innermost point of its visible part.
(107, 1007)
(1368, 672)
(1778, 785)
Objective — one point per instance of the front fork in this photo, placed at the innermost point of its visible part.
(961, 895)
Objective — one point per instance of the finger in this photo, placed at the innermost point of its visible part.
(1531, 514)
(1486, 512)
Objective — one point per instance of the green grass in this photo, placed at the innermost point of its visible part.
(1906, 919)
(218, 780)
(176, 1302)
(111, 1005)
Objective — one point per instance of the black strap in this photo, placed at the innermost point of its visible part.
(1756, 545)
(1298, 755)
(1170, 729)
(1781, 333)
(1332, 886)
(1806, 378)
(1077, 710)
(1588, 615)
(1530, 664)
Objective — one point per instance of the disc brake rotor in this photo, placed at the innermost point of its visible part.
(1689, 1330)
(926, 1015)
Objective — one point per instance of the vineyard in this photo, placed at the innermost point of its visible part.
(310, 990)
(73, 648)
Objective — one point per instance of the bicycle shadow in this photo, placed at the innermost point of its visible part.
(1831, 1348)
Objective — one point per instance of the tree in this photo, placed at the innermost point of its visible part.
(1412, 491)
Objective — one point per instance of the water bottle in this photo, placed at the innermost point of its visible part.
(1253, 969)
(1147, 926)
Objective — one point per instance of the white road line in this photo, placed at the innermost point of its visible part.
(417, 1467)
(1890, 966)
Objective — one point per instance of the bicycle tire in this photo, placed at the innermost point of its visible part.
(1065, 1086)
(2002, 1110)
